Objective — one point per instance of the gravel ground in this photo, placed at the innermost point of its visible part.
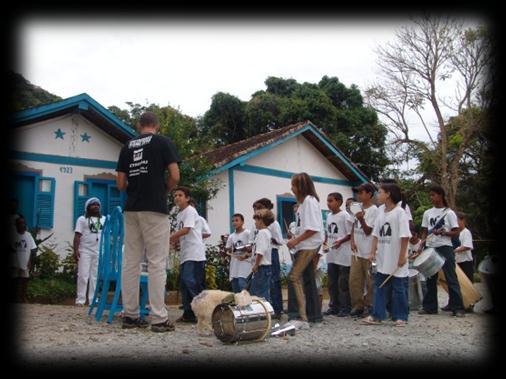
(59, 334)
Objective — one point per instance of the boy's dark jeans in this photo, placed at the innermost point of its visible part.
(275, 290)
(192, 282)
(339, 291)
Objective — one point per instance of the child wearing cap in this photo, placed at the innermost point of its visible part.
(87, 235)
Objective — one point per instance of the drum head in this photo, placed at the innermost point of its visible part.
(223, 321)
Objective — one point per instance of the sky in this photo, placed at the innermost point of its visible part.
(183, 63)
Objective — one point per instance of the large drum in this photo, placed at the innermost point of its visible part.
(470, 295)
(415, 294)
(232, 323)
(429, 262)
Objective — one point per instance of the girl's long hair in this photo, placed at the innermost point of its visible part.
(440, 191)
(305, 186)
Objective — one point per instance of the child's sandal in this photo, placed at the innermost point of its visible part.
(369, 320)
(400, 323)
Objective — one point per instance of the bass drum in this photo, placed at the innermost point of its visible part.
(232, 323)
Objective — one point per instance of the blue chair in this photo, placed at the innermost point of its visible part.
(109, 270)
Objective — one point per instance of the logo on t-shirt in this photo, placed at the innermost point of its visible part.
(137, 155)
(434, 220)
(21, 244)
(386, 230)
(332, 228)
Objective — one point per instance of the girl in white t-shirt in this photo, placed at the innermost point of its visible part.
(240, 265)
(464, 253)
(306, 243)
(439, 226)
(389, 248)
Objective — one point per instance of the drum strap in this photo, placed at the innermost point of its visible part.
(269, 322)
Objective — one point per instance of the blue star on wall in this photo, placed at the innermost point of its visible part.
(59, 134)
(85, 137)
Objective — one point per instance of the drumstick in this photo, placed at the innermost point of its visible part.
(388, 278)
(286, 226)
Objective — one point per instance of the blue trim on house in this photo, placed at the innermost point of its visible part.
(82, 101)
(58, 159)
(231, 200)
(309, 127)
(288, 175)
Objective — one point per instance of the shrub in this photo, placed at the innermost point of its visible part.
(50, 290)
(69, 265)
(47, 263)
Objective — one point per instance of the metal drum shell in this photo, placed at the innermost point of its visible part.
(429, 262)
(231, 324)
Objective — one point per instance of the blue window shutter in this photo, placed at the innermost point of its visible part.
(80, 200)
(44, 204)
(115, 199)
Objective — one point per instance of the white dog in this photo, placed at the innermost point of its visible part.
(204, 303)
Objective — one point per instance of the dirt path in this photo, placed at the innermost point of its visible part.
(51, 334)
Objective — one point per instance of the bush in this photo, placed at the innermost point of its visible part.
(218, 266)
(69, 265)
(172, 283)
(47, 263)
(50, 290)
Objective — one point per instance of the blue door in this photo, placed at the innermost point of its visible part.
(23, 190)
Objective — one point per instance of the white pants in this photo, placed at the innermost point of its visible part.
(86, 274)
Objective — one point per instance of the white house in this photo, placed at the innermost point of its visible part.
(261, 166)
(60, 155)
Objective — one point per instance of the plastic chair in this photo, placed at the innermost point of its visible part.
(109, 270)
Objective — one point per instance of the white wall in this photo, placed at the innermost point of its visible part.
(297, 155)
(40, 138)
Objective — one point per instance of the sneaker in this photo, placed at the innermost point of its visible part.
(129, 323)
(162, 327)
(357, 312)
(343, 314)
(459, 313)
(425, 312)
(446, 308)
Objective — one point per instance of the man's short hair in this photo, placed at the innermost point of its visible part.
(148, 119)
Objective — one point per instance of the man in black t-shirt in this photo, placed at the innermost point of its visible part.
(141, 168)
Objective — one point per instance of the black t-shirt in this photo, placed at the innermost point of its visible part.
(144, 159)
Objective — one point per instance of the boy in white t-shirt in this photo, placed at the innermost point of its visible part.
(261, 279)
(389, 248)
(240, 265)
(464, 253)
(361, 240)
(87, 235)
(192, 253)
(339, 225)
(22, 247)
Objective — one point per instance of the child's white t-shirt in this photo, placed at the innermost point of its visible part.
(91, 231)
(203, 225)
(309, 217)
(389, 228)
(238, 269)
(431, 218)
(413, 247)
(276, 233)
(192, 245)
(339, 226)
(362, 240)
(23, 244)
(263, 246)
(466, 240)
